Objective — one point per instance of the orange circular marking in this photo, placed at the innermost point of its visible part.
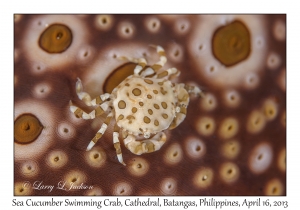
(56, 38)
(231, 43)
(27, 128)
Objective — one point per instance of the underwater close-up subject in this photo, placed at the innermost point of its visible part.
(149, 104)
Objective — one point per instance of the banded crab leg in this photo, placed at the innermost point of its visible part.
(183, 96)
(103, 106)
(86, 98)
(158, 65)
(101, 131)
(140, 68)
(152, 70)
(95, 113)
(100, 100)
(191, 89)
(181, 105)
(116, 141)
(139, 147)
(117, 144)
(167, 73)
(141, 63)
(162, 58)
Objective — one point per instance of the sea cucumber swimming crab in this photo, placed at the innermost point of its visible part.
(144, 105)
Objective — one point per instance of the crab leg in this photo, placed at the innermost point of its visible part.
(194, 90)
(180, 116)
(100, 132)
(167, 73)
(141, 63)
(117, 144)
(100, 99)
(162, 58)
(145, 146)
(95, 113)
(86, 98)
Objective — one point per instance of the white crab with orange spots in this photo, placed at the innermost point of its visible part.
(144, 105)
